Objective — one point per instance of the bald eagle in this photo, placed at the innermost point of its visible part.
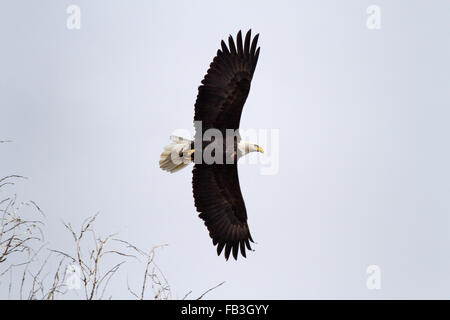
(219, 104)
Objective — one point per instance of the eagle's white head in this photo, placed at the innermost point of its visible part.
(247, 147)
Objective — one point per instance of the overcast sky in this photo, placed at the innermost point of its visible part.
(362, 114)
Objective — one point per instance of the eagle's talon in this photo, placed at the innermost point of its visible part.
(188, 155)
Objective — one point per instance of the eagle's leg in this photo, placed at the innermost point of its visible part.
(188, 156)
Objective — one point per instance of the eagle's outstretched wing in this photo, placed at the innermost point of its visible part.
(219, 104)
(218, 198)
(225, 86)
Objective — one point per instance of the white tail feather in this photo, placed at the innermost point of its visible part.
(172, 159)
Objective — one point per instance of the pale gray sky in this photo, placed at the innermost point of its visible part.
(363, 119)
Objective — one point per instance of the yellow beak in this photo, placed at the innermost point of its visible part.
(259, 149)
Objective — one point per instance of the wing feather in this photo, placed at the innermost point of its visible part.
(226, 85)
(254, 44)
(219, 201)
(231, 45)
(247, 43)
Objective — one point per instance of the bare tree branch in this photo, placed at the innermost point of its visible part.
(209, 290)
